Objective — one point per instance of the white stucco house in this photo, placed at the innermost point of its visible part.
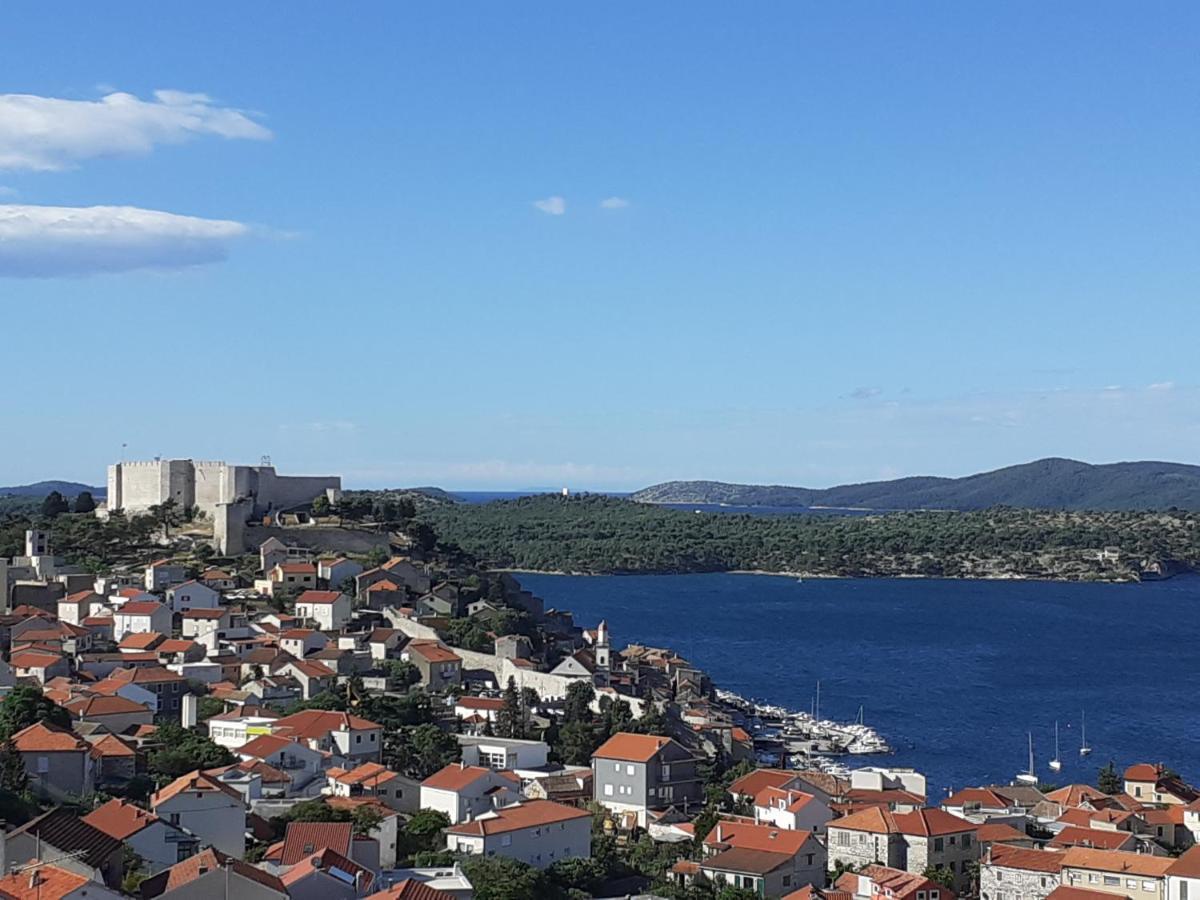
(329, 610)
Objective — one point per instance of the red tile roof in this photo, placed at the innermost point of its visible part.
(455, 777)
(751, 784)
(752, 836)
(531, 814)
(411, 889)
(193, 781)
(632, 747)
(305, 838)
(1073, 836)
(1139, 864)
(84, 707)
(321, 598)
(140, 608)
(120, 818)
(209, 860)
(46, 882)
(313, 724)
(144, 640)
(42, 737)
(1035, 861)
(433, 651)
(1187, 865)
(328, 859)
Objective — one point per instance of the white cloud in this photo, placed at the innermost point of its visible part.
(614, 203)
(49, 133)
(45, 241)
(1162, 386)
(552, 206)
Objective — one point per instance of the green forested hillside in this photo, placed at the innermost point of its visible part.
(603, 534)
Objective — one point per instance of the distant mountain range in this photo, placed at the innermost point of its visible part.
(42, 488)
(1044, 484)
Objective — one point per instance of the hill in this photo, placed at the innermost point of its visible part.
(1065, 484)
(42, 488)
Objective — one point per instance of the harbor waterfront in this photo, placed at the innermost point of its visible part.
(952, 674)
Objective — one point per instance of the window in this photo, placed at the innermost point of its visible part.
(1149, 886)
(843, 839)
(951, 865)
(629, 769)
(808, 859)
(1131, 883)
(966, 841)
(666, 772)
(43, 765)
(953, 840)
(1183, 889)
(506, 840)
(617, 766)
(938, 845)
(1137, 792)
(1093, 878)
(608, 792)
(787, 880)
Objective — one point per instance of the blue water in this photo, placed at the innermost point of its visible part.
(952, 673)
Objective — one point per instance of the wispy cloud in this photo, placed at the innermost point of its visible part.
(614, 203)
(1162, 386)
(865, 393)
(48, 241)
(49, 133)
(552, 206)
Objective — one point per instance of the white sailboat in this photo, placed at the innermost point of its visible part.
(1029, 777)
(1056, 763)
(1084, 749)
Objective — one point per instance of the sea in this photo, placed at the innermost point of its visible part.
(954, 674)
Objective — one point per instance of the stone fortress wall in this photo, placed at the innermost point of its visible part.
(228, 494)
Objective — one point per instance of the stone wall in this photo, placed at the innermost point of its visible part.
(1002, 883)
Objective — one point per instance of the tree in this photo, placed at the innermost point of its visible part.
(55, 504)
(366, 819)
(182, 750)
(13, 776)
(423, 535)
(403, 673)
(320, 505)
(423, 832)
(422, 750)
(209, 706)
(1109, 781)
(25, 705)
(85, 502)
(577, 741)
(577, 707)
(941, 875)
(309, 811)
(510, 719)
(501, 878)
(166, 515)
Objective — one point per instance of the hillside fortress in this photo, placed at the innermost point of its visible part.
(230, 495)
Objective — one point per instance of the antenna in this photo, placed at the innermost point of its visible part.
(264, 460)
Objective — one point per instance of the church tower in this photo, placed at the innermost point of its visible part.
(602, 649)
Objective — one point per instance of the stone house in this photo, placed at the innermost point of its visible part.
(1137, 876)
(1016, 873)
(440, 666)
(913, 841)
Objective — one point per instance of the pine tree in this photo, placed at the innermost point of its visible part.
(55, 504)
(85, 502)
(13, 777)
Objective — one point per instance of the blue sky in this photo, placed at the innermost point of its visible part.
(842, 241)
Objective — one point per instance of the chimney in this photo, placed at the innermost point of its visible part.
(34, 879)
(718, 832)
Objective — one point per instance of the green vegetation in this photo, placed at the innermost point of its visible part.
(596, 534)
(25, 705)
(182, 750)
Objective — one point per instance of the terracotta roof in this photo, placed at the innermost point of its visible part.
(999, 833)
(931, 822)
(321, 598)
(206, 861)
(455, 777)
(144, 640)
(145, 675)
(306, 838)
(1143, 772)
(268, 773)
(119, 818)
(111, 745)
(384, 585)
(42, 737)
(297, 568)
(792, 799)
(752, 836)
(1008, 857)
(745, 861)
(487, 703)
(140, 608)
(1075, 795)
(982, 796)
(193, 781)
(1115, 861)
(411, 889)
(432, 651)
(1074, 836)
(65, 831)
(1187, 865)
(265, 745)
(83, 707)
(81, 597)
(46, 882)
(324, 860)
(33, 659)
(368, 774)
(751, 784)
(890, 882)
(632, 747)
(531, 814)
(310, 668)
(873, 819)
(1066, 892)
(204, 613)
(313, 724)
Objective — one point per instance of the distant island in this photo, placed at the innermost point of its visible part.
(593, 534)
(42, 488)
(1063, 484)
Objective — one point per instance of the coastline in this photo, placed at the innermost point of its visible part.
(825, 576)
